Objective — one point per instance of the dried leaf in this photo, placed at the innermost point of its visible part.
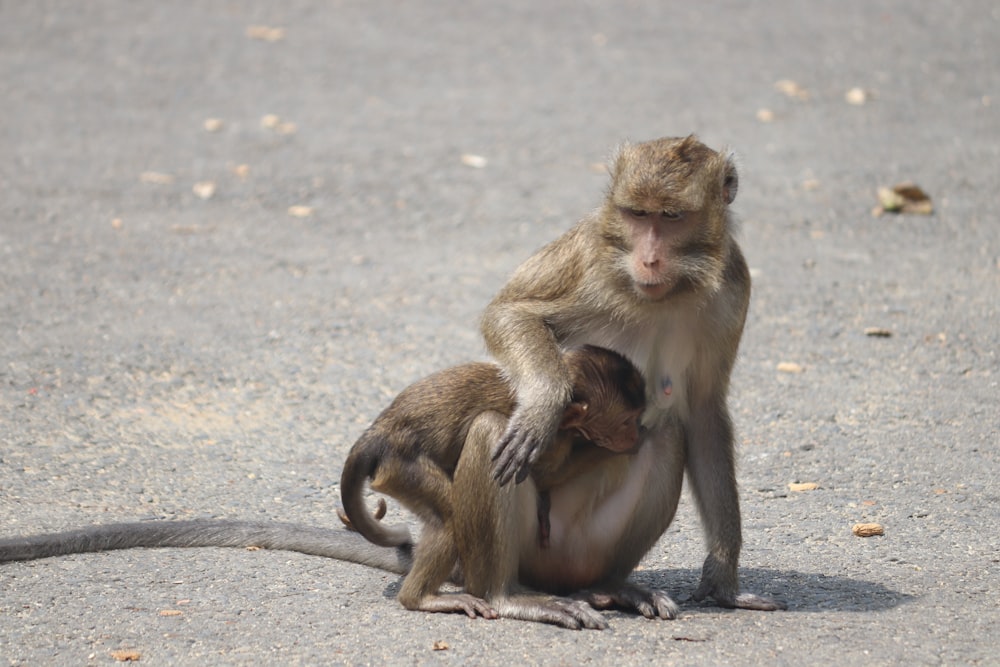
(270, 121)
(265, 33)
(204, 189)
(765, 115)
(791, 89)
(441, 646)
(213, 124)
(802, 486)
(126, 655)
(156, 177)
(867, 529)
(474, 161)
(171, 612)
(241, 170)
(856, 96)
(904, 198)
(300, 211)
(790, 367)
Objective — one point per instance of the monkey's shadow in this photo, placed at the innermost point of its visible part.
(802, 591)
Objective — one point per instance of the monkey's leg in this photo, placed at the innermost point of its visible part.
(433, 560)
(711, 471)
(487, 535)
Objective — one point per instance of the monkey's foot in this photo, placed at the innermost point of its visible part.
(564, 612)
(737, 601)
(629, 597)
(462, 603)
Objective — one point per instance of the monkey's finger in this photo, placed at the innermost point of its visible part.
(589, 618)
(666, 608)
(510, 457)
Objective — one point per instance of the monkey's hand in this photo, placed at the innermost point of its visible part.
(528, 433)
(629, 597)
(724, 590)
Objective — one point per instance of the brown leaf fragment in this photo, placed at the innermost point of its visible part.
(867, 529)
(790, 367)
(126, 655)
(440, 646)
(878, 332)
(171, 612)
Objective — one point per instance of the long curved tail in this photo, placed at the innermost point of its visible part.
(328, 543)
(359, 467)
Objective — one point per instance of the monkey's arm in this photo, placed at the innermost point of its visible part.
(711, 472)
(519, 328)
(710, 450)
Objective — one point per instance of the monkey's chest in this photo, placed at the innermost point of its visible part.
(663, 351)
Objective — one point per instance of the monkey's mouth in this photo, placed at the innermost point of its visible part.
(653, 291)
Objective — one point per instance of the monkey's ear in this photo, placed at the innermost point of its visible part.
(574, 416)
(730, 179)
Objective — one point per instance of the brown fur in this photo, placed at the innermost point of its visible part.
(655, 274)
(412, 450)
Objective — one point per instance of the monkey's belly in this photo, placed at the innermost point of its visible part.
(588, 517)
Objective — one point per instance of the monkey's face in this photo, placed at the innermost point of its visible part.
(667, 211)
(657, 263)
(616, 430)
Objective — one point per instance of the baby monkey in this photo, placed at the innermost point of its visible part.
(411, 451)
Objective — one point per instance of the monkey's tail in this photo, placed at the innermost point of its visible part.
(360, 466)
(325, 542)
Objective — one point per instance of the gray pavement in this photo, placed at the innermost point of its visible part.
(165, 353)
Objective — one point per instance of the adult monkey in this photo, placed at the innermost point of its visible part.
(655, 274)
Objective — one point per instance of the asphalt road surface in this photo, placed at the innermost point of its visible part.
(230, 232)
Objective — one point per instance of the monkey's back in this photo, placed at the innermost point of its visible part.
(431, 417)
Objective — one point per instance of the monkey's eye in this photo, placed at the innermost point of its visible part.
(636, 213)
(672, 215)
